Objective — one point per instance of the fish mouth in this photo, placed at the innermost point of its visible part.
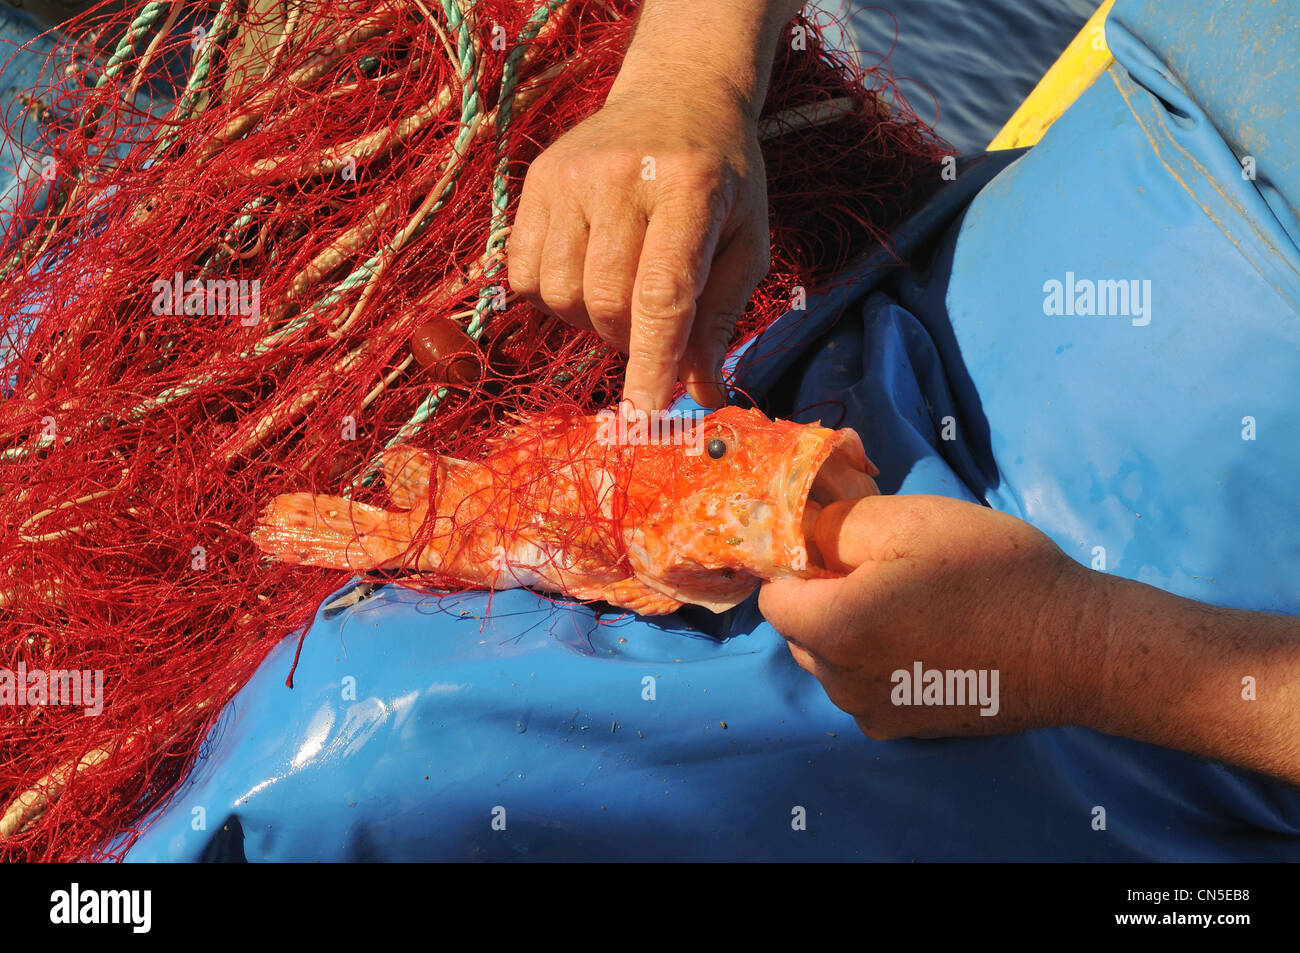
(832, 467)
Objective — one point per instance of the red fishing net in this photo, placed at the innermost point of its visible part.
(265, 243)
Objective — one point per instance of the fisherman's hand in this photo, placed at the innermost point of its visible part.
(947, 585)
(648, 222)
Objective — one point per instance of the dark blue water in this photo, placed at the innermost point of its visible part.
(976, 58)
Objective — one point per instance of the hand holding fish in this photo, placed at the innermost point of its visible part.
(946, 584)
(945, 595)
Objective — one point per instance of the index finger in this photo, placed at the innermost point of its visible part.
(674, 267)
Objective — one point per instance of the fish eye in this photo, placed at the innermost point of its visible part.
(717, 448)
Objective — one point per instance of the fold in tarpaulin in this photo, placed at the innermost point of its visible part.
(1159, 436)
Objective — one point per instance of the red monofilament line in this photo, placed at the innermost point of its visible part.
(182, 340)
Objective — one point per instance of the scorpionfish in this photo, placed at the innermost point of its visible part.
(601, 507)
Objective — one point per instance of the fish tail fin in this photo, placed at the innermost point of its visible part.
(332, 532)
(408, 473)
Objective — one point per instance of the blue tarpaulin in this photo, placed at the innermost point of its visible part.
(1160, 435)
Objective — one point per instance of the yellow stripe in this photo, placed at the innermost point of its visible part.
(1075, 70)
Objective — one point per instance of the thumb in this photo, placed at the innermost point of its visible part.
(849, 532)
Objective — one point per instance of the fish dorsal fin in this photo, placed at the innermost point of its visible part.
(407, 472)
(456, 478)
(529, 428)
(456, 465)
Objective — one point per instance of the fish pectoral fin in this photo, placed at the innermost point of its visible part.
(660, 569)
(713, 589)
(631, 593)
(407, 473)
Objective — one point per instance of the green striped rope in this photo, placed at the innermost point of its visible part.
(470, 107)
(223, 26)
(144, 21)
(367, 269)
(500, 205)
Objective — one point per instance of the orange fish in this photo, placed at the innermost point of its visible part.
(646, 513)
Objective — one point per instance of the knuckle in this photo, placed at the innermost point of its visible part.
(523, 281)
(563, 302)
(523, 285)
(699, 171)
(622, 166)
(710, 201)
(561, 293)
(538, 180)
(608, 299)
(576, 175)
(698, 186)
(522, 278)
(663, 294)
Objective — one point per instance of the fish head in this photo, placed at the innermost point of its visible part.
(737, 503)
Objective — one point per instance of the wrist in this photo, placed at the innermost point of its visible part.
(1152, 670)
(667, 57)
(664, 83)
(1093, 637)
(1074, 626)
(1179, 673)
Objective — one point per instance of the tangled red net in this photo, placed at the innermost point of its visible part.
(264, 243)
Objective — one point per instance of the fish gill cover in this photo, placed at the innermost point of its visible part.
(260, 242)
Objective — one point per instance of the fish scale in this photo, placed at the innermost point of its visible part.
(573, 506)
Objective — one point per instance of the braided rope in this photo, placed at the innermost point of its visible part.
(362, 274)
(497, 236)
(223, 27)
(145, 20)
(498, 231)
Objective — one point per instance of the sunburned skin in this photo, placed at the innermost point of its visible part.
(596, 512)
